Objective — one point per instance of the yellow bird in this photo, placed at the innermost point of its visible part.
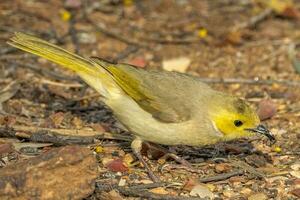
(156, 106)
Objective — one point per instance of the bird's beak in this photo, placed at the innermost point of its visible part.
(261, 129)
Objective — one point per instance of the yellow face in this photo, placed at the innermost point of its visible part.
(234, 119)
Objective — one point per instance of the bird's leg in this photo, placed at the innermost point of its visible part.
(136, 147)
(168, 154)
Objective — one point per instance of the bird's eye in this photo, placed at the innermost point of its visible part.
(238, 123)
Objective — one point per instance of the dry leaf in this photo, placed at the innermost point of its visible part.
(296, 192)
(229, 193)
(138, 61)
(295, 173)
(234, 37)
(176, 64)
(98, 127)
(258, 196)
(77, 122)
(57, 118)
(159, 190)
(190, 184)
(222, 167)
(6, 148)
(112, 195)
(202, 191)
(296, 166)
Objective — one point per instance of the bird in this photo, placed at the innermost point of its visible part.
(162, 107)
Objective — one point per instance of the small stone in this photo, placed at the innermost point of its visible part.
(86, 38)
(122, 182)
(222, 167)
(237, 179)
(258, 196)
(177, 64)
(266, 109)
(229, 193)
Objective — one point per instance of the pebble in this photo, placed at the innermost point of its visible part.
(258, 196)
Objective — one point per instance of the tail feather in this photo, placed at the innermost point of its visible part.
(89, 71)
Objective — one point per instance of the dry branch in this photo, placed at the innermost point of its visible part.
(250, 81)
(58, 137)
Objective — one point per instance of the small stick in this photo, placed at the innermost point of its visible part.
(268, 57)
(116, 35)
(173, 41)
(43, 71)
(140, 191)
(149, 195)
(124, 54)
(221, 177)
(60, 84)
(73, 33)
(248, 168)
(249, 81)
(254, 20)
(58, 136)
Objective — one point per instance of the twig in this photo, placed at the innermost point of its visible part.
(149, 195)
(272, 55)
(58, 136)
(60, 84)
(73, 32)
(9, 57)
(247, 168)
(7, 50)
(44, 71)
(221, 177)
(148, 186)
(129, 50)
(141, 191)
(91, 96)
(115, 35)
(249, 81)
(172, 41)
(253, 21)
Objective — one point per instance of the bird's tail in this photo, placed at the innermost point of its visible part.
(91, 72)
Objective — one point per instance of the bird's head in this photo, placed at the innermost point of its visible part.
(234, 118)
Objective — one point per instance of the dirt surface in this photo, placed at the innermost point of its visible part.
(247, 48)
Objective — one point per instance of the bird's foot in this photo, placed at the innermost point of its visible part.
(136, 146)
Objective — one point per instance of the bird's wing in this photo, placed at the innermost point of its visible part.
(151, 90)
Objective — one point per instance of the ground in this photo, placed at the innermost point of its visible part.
(246, 48)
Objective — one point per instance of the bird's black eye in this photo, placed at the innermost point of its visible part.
(238, 123)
